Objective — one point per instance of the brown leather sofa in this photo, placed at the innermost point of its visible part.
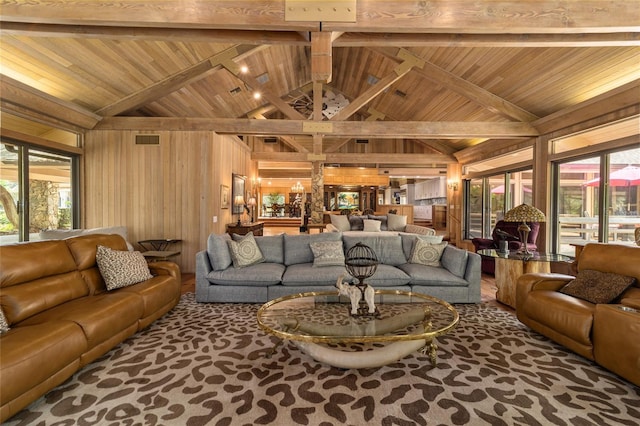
(603, 333)
(62, 317)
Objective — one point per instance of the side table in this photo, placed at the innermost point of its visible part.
(244, 228)
(510, 266)
(156, 249)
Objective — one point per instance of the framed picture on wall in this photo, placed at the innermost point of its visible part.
(224, 197)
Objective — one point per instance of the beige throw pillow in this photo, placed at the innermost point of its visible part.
(371, 225)
(341, 222)
(396, 222)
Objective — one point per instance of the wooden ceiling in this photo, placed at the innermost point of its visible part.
(425, 80)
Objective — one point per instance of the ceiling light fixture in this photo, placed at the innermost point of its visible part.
(244, 69)
(257, 95)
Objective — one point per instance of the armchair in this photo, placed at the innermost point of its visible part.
(514, 243)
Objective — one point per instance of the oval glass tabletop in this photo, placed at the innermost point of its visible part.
(321, 324)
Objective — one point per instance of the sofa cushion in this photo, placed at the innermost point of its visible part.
(383, 221)
(258, 275)
(245, 251)
(121, 268)
(597, 287)
(431, 276)
(297, 248)
(455, 260)
(357, 222)
(305, 274)
(341, 222)
(396, 222)
(425, 253)
(218, 251)
(388, 276)
(271, 246)
(388, 248)
(371, 225)
(327, 253)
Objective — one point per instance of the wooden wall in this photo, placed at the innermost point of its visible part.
(170, 190)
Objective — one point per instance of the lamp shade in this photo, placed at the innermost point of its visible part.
(239, 200)
(251, 202)
(524, 213)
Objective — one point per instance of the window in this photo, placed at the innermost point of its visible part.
(38, 192)
(586, 203)
(488, 199)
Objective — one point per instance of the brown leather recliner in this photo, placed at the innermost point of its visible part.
(600, 332)
(62, 317)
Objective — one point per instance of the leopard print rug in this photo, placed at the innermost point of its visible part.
(206, 364)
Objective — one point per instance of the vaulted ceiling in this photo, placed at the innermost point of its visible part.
(430, 78)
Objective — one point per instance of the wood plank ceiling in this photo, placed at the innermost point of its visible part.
(427, 78)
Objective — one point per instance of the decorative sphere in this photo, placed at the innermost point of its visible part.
(361, 261)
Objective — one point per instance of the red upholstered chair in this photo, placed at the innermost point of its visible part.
(511, 228)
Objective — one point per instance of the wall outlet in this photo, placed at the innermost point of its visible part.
(215, 219)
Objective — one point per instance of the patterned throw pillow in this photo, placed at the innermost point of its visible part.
(597, 287)
(4, 324)
(245, 252)
(121, 268)
(327, 253)
(371, 225)
(427, 254)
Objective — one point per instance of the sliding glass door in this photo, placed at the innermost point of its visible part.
(38, 192)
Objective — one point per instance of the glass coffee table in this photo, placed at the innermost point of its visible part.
(321, 325)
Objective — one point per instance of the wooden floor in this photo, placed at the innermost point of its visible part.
(488, 284)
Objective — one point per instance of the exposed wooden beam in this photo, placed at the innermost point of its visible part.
(388, 16)
(487, 40)
(616, 99)
(256, 38)
(345, 39)
(513, 17)
(469, 90)
(419, 160)
(287, 140)
(28, 98)
(321, 59)
(377, 129)
(491, 149)
(9, 135)
(176, 81)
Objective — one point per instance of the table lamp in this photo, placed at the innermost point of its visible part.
(239, 202)
(524, 213)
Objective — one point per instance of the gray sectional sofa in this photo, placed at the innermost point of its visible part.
(288, 268)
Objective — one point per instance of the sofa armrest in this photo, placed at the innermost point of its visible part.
(538, 281)
(482, 243)
(331, 228)
(165, 268)
(419, 230)
(203, 268)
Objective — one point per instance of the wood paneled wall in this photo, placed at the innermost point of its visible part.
(170, 190)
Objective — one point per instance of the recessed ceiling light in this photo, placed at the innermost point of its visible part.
(244, 69)
(257, 95)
